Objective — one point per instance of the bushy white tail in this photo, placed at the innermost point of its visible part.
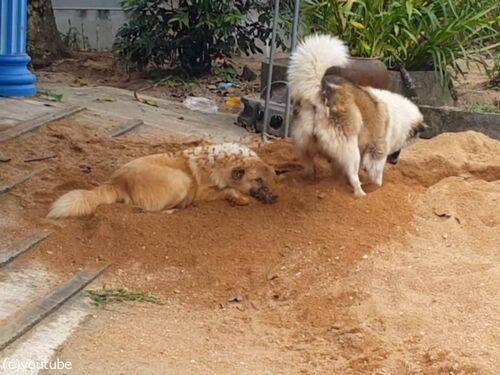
(310, 61)
(83, 202)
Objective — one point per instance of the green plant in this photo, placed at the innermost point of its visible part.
(226, 73)
(75, 39)
(104, 295)
(49, 95)
(493, 72)
(415, 34)
(484, 108)
(190, 33)
(181, 83)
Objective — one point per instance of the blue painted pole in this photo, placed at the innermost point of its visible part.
(15, 78)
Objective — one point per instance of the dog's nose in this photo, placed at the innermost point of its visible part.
(264, 194)
(271, 198)
(394, 157)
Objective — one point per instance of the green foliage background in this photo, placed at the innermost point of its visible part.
(190, 34)
(416, 34)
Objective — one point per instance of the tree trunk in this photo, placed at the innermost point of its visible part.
(44, 42)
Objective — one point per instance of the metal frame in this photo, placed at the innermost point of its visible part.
(295, 27)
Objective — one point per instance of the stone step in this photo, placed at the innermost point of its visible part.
(26, 317)
(38, 312)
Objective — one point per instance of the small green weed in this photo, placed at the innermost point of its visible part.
(226, 73)
(484, 108)
(180, 82)
(104, 295)
(49, 95)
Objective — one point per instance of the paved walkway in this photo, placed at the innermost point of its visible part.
(114, 105)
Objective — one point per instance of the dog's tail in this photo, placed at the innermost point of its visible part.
(311, 60)
(84, 202)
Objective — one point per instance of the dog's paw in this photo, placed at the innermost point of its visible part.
(240, 201)
(377, 180)
(359, 193)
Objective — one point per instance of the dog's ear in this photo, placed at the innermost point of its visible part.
(237, 173)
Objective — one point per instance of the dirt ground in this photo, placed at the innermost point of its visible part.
(101, 68)
(404, 280)
(475, 87)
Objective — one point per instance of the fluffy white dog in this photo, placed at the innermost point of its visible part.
(337, 119)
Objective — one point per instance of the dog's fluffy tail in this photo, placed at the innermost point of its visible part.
(310, 61)
(83, 202)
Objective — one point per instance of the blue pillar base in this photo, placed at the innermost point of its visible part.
(15, 78)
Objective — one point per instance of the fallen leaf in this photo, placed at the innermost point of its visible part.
(235, 298)
(149, 102)
(106, 99)
(441, 213)
(81, 81)
(271, 275)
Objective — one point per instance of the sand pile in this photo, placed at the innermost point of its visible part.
(301, 265)
(211, 250)
(218, 247)
(452, 154)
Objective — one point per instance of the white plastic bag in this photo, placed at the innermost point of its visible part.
(197, 103)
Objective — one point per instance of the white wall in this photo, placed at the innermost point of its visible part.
(97, 20)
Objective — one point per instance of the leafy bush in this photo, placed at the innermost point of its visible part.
(191, 33)
(415, 34)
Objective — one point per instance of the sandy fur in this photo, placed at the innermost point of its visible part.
(164, 181)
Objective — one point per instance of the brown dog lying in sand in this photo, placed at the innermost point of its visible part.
(163, 181)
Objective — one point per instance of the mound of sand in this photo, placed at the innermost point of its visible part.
(335, 282)
(452, 154)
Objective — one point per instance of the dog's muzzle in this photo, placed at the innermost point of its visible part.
(264, 195)
(394, 157)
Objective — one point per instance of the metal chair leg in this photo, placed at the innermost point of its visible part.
(295, 27)
(270, 69)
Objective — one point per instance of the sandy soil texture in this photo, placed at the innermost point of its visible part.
(404, 280)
